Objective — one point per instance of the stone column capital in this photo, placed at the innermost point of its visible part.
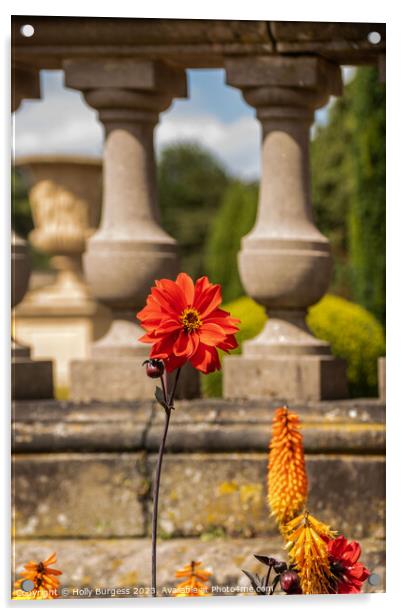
(284, 87)
(126, 90)
(25, 84)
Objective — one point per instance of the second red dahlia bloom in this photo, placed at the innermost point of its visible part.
(344, 562)
(184, 323)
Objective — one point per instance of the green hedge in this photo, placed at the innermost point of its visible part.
(234, 219)
(353, 333)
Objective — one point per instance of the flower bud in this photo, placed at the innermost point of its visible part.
(155, 368)
(290, 582)
(280, 566)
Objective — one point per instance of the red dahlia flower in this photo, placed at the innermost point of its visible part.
(183, 322)
(343, 558)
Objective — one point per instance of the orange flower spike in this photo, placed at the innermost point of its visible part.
(287, 477)
(307, 545)
(43, 577)
(184, 323)
(194, 582)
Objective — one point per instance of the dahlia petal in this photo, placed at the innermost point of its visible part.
(209, 300)
(186, 344)
(164, 301)
(223, 323)
(153, 311)
(166, 327)
(187, 286)
(352, 552)
(147, 338)
(180, 346)
(201, 285)
(211, 334)
(173, 362)
(151, 322)
(206, 359)
(228, 344)
(218, 313)
(173, 292)
(164, 347)
(336, 547)
(357, 571)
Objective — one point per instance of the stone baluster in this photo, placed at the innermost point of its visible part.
(30, 378)
(130, 250)
(285, 262)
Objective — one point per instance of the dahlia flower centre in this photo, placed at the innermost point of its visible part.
(190, 318)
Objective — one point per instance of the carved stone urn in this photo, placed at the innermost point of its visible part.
(65, 197)
(62, 319)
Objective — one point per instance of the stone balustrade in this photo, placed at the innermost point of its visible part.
(130, 72)
(83, 469)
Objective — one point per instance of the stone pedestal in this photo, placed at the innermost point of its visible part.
(130, 250)
(61, 320)
(285, 378)
(285, 262)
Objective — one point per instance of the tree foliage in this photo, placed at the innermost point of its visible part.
(348, 190)
(191, 185)
(367, 209)
(22, 217)
(234, 219)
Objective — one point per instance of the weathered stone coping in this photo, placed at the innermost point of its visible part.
(122, 563)
(344, 426)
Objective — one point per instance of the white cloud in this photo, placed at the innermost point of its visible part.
(235, 143)
(62, 123)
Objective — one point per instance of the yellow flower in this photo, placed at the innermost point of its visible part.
(307, 545)
(287, 477)
(194, 583)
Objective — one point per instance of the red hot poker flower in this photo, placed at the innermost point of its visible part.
(343, 558)
(184, 323)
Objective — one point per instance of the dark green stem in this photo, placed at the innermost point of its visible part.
(168, 409)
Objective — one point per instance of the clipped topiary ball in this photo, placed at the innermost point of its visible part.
(353, 333)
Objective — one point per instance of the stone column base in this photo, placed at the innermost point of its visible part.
(110, 379)
(32, 379)
(122, 378)
(382, 378)
(297, 378)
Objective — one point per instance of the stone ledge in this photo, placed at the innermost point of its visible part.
(108, 494)
(125, 562)
(196, 425)
(227, 492)
(79, 495)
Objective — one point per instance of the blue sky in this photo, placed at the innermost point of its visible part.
(214, 115)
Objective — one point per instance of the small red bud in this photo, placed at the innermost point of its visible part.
(155, 368)
(290, 582)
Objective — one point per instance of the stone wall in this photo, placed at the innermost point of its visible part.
(82, 478)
